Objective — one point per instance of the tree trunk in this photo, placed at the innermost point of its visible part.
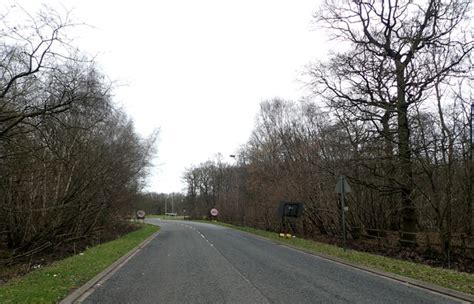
(409, 216)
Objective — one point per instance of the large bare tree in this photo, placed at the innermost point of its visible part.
(32, 46)
(386, 67)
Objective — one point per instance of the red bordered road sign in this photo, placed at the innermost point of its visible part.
(214, 212)
(141, 214)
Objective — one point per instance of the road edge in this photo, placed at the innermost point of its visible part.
(406, 280)
(81, 293)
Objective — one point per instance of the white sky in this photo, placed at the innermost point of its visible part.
(197, 70)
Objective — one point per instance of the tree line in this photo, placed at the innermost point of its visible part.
(70, 159)
(390, 110)
(160, 203)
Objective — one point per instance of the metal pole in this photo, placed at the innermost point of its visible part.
(342, 210)
(244, 187)
(471, 181)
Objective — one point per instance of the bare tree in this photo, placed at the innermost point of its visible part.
(388, 69)
(71, 162)
(29, 52)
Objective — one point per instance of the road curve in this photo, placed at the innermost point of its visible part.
(202, 263)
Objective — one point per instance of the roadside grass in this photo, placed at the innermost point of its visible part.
(455, 280)
(54, 282)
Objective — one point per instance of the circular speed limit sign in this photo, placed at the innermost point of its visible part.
(214, 212)
(140, 214)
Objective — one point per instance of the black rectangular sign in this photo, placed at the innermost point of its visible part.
(290, 209)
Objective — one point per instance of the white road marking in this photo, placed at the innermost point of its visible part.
(199, 232)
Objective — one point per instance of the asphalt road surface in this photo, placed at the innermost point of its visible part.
(202, 263)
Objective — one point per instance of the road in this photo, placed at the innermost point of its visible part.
(202, 263)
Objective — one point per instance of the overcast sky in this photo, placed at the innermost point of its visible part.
(196, 70)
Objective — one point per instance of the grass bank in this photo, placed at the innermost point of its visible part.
(54, 282)
(166, 217)
(459, 281)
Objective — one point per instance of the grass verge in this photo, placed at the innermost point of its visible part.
(455, 280)
(54, 282)
(166, 217)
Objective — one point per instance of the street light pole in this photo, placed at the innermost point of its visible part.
(471, 177)
(243, 181)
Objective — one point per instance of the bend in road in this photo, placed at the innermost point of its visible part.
(192, 262)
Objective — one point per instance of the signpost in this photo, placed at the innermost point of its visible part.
(343, 187)
(471, 151)
(472, 124)
(141, 215)
(289, 212)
